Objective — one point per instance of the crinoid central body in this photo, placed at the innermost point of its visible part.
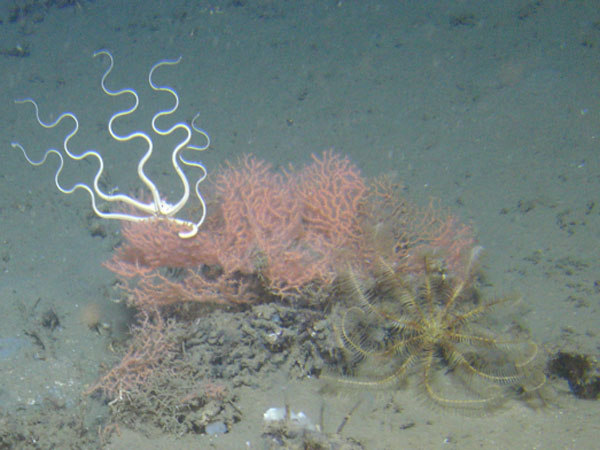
(433, 325)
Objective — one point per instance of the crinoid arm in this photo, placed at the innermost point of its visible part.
(440, 389)
(367, 329)
(373, 360)
(432, 326)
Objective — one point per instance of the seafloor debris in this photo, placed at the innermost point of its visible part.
(580, 371)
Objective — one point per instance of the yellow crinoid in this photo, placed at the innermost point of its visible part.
(434, 326)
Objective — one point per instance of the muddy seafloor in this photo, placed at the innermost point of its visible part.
(491, 108)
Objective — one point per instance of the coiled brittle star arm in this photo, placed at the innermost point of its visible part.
(157, 208)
